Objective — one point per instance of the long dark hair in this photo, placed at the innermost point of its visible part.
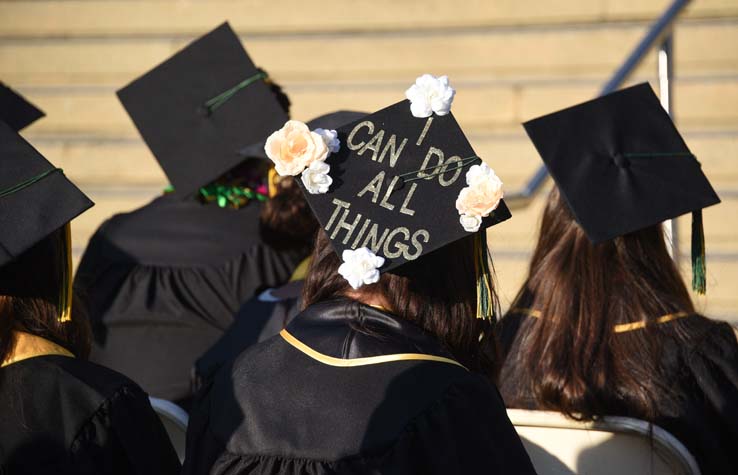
(30, 287)
(437, 292)
(570, 359)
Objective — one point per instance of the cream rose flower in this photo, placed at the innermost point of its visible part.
(294, 147)
(430, 94)
(470, 223)
(480, 199)
(360, 267)
(316, 178)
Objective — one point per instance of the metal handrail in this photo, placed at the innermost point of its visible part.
(660, 28)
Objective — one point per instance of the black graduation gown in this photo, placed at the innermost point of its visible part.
(305, 402)
(705, 373)
(61, 415)
(162, 283)
(259, 319)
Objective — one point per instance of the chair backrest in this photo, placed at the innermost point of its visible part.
(174, 419)
(558, 445)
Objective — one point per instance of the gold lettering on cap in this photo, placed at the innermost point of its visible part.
(374, 145)
(400, 247)
(456, 161)
(339, 205)
(376, 243)
(350, 140)
(395, 152)
(361, 233)
(418, 247)
(385, 203)
(375, 186)
(404, 209)
(342, 224)
(425, 131)
(439, 156)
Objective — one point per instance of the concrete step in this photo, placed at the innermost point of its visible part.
(479, 106)
(701, 46)
(125, 18)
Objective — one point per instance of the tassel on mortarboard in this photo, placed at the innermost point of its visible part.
(699, 264)
(65, 296)
(484, 284)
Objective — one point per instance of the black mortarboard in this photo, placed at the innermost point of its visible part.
(621, 164)
(15, 110)
(378, 199)
(197, 109)
(330, 121)
(36, 198)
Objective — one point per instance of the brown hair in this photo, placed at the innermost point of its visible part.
(437, 292)
(30, 288)
(570, 359)
(286, 220)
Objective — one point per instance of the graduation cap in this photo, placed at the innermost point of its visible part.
(622, 166)
(15, 110)
(197, 109)
(36, 199)
(393, 187)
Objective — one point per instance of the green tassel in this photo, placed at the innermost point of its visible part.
(699, 264)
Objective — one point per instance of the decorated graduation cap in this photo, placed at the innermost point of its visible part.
(622, 166)
(36, 199)
(15, 110)
(197, 109)
(395, 185)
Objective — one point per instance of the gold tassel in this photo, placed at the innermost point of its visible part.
(699, 262)
(272, 179)
(484, 284)
(65, 299)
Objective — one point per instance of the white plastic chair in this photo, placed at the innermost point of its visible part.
(558, 445)
(175, 420)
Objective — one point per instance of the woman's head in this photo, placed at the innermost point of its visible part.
(436, 292)
(30, 288)
(570, 356)
(286, 220)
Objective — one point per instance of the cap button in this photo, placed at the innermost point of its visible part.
(621, 161)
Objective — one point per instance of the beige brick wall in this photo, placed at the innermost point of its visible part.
(510, 60)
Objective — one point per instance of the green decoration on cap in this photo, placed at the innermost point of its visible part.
(212, 104)
(225, 195)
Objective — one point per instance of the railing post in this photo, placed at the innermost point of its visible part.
(666, 75)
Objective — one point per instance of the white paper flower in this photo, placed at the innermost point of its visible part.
(480, 172)
(330, 137)
(430, 94)
(470, 223)
(360, 267)
(316, 178)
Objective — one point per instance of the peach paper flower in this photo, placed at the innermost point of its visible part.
(480, 198)
(294, 147)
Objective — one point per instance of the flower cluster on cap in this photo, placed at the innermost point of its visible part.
(296, 150)
(479, 198)
(430, 94)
